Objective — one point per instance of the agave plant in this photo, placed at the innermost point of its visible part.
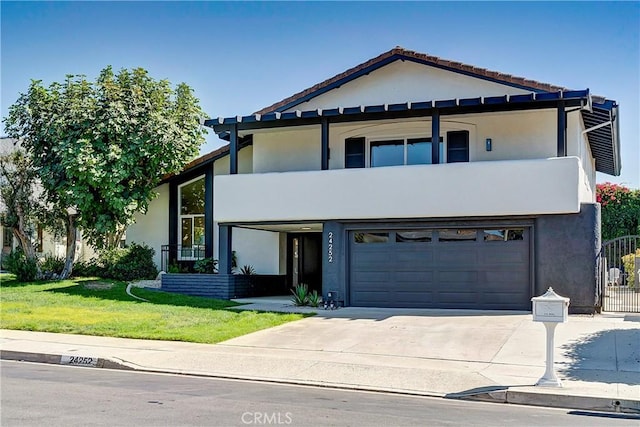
(300, 295)
(247, 270)
(314, 299)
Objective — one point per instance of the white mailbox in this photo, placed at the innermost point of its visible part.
(550, 307)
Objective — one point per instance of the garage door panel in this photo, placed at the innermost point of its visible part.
(447, 277)
(449, 255)
(372, 277)
(399, 287)
(474, 274)
(497, 279)
(457, 297)
(413, 297)
(414, 277)
(371, 260)
(505, 255)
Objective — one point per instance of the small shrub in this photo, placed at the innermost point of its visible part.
(206, 266)
(174, 267)
(300, 295)
(247, 270)
(131, 263)
(628, 261)
(52, 265)
(88, 269)
(314, 299)
(26, 270)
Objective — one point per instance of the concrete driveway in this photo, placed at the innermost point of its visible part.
(595, 354)
(427, 334)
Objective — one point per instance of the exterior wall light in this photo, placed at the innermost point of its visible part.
(487, 144)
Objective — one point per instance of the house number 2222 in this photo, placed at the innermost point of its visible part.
(330, 247)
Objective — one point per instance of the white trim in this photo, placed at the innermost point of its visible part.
(182, 216)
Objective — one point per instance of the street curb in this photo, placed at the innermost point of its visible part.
(59, 359)
(590, 403)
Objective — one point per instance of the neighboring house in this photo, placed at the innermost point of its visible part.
(45, 242)
(341, 186)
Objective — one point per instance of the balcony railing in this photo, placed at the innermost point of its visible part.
(181, 256)
(476, 189)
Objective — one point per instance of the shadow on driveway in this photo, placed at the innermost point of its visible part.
(609, 356)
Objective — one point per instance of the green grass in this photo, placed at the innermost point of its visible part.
(76, 307)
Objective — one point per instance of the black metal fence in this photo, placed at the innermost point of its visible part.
(619, 274)
(180, 258)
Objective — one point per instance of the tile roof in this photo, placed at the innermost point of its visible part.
(410, 54)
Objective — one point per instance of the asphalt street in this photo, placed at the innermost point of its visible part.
(52, 395)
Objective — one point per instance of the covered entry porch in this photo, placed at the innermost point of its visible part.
(298, 254)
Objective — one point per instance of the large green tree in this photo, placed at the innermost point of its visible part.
(620, 210)
(101, 147)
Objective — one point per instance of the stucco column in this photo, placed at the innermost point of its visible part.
(435, 136)
(324, 137)
(233, 150)
(225, 249)
(562, 130)
(208, 212)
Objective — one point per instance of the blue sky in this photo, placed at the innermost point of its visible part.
(240, 57)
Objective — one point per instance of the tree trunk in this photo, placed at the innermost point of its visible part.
(27, 248)
(112, 240)
(25, 241)
(72, 233)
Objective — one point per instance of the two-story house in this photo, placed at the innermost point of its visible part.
(406, 181)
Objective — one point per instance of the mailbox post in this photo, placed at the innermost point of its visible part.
(550, 309)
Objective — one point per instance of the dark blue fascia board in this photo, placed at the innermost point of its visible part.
(608, 104)
(374, 109)
(421, 105)
(547, 96)
(522, 98)
(397, 107)
(575, 93)
(493, 100)
(470, 102)
(448, 107)
(446, 103)
(331, 112)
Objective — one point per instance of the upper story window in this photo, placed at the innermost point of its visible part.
(191, 196)
(397, 152)
(361, 153)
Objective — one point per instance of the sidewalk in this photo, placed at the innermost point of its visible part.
(474, 355)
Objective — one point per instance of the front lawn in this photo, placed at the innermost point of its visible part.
(102, 307)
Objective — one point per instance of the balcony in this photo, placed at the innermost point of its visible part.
(479, 189)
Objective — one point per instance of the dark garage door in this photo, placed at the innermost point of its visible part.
(445, 268)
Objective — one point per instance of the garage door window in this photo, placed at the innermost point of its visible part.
(370, 237)
(456, 235)
(503, 235)
(414, 236)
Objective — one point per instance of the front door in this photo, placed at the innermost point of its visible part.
(304, 261)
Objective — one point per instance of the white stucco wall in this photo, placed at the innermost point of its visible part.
(245, 162)
(515, 135)
(152, 229)
(287, 149)
(501, 188)
(578, 145)
(260, 249)
(253, 247)
(400, 82)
